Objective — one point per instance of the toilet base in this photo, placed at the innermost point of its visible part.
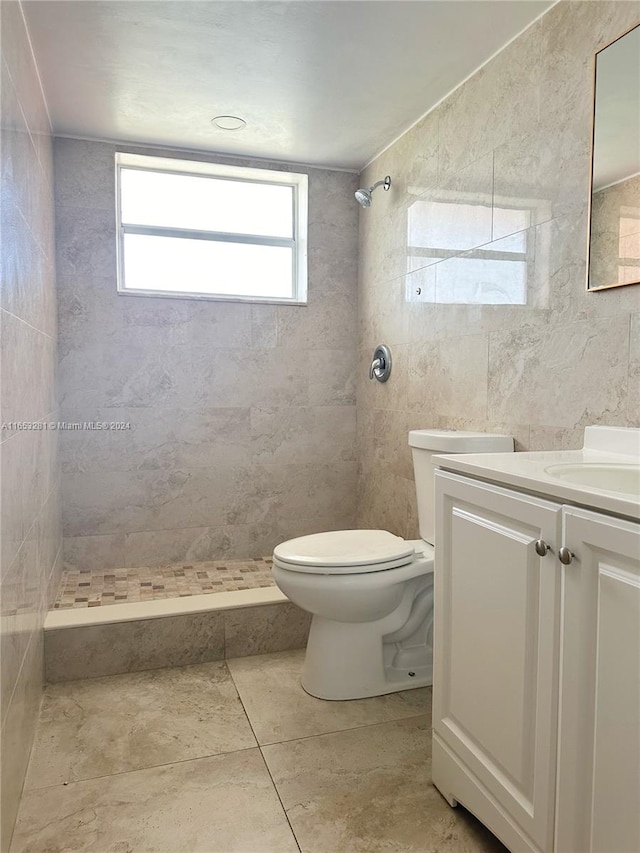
(347, 660)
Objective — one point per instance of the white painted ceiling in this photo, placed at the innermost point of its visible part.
(326, 82)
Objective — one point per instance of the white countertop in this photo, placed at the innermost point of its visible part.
(527, 471)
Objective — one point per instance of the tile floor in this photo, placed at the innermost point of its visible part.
(234, 757)
(80, 588)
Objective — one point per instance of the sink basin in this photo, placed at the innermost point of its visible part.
(622, 477)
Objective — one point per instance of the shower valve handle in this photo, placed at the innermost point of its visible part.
(380, 367)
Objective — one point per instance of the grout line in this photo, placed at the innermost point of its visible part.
(273, 782)
(139, 769)
(350, 729)
(25, 323)
(275, 788)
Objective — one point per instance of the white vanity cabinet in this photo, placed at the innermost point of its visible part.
(598, 797)
(536, 705)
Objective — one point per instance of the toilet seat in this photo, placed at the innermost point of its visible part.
(344, 552)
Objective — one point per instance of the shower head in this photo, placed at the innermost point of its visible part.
(363, 195)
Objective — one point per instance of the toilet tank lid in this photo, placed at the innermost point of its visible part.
(460, 441)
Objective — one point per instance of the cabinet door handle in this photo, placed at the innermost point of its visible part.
(565, 556)
(542, 549)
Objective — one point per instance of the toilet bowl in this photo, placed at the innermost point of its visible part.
(371, 592)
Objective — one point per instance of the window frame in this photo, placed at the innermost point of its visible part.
(203, 169)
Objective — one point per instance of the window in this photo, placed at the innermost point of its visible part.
(207, 231)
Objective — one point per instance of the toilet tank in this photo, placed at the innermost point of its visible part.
(427, 443)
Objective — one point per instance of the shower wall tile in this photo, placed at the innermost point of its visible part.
(191, 544)
(30, 528)
(96, 650)
(473, 267)
(263, 630)
(522, 363)
(93, 553)
(241, 418)
(171, 641)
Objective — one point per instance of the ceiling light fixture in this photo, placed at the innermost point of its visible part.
(228, 122)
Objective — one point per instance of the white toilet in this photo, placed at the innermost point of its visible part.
(370, 592)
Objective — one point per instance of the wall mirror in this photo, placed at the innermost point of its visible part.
(614, 225)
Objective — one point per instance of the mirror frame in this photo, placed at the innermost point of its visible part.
(592, 163)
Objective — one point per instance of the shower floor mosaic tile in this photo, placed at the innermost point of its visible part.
(119, 586)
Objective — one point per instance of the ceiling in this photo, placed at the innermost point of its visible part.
(325, 82)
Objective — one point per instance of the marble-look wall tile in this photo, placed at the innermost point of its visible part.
(261, 630)
(30, 528)
(17, 734)
(546, 374)
(473, 267)
(99, 650)
(94, 553)
(242, 417)
(96, 650)
(634, 369)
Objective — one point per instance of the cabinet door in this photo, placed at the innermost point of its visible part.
(496, 645)
(599, 743)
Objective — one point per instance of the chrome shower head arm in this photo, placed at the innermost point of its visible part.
(385, 184)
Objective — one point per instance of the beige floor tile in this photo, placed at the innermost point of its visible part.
(369, 790)
(127, 722)
(279, 709)
(223, 804)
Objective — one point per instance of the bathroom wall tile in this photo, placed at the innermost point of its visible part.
(384, 500)
(332, 377)
(264, 326)
(19, 614)
(85, 174)
(387, 442)
(289, 492)
(280, 710)
(176, 805)
(17, 735)
(55, 577)
(156, 439)
(29, 509)
(237, 378)
(18, 498)
(385, 317)
(555, 438)
(261, 630)
(84, 241)
(330, 322)
(508, 90)
(558, 388)
(153, 718)
(126, 501)
(48, 533)
(290, 435)
(155, 547)
(450, 377)
(332, 272)
(341, 792)
(89, 553)
(89, 652)
(26, 370)
(633, 413)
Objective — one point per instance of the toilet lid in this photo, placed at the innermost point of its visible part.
(345, 551)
